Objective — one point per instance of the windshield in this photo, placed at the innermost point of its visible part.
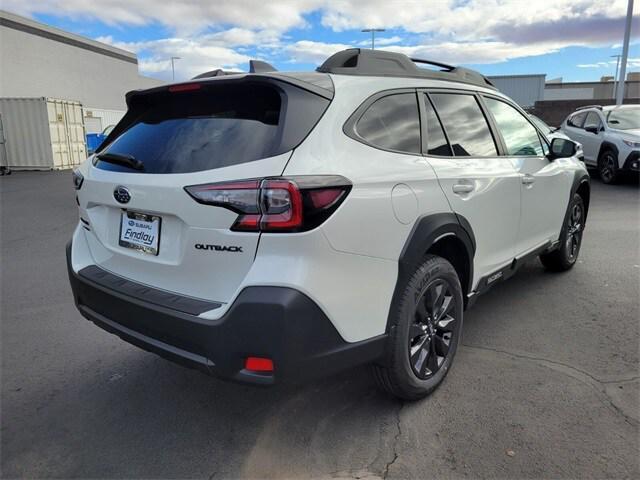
(624, 119)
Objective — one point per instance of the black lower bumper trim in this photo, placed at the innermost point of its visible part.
(274, 322)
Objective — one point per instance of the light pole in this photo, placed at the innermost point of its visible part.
(373, 35)
(625, 54)
(615, 78)
(173, 68)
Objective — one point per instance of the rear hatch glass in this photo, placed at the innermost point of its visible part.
(217, 124)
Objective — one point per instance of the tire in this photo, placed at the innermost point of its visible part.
(433, 339)
(566, 255)
(608, 167)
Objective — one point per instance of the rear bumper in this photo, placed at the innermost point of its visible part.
(279, 323)
(632, 162)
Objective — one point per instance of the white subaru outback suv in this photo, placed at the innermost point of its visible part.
(272, 226)
(610, 137)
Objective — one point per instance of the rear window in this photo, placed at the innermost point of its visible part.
(217, 126)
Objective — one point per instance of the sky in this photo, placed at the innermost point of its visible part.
(573, 39)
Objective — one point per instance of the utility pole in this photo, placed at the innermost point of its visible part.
(615, 78)
(625, 54)
(373, 35)
(173, 68)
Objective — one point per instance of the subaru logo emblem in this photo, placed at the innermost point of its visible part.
(121, 194)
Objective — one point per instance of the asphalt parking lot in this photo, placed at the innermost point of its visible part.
(546, 383)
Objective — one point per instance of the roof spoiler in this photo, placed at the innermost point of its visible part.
(360, 61)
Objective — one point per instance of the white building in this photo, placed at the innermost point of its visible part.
(41, 61)
(56, 86)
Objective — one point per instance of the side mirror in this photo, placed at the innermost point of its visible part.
(562, 148)
(592, 129)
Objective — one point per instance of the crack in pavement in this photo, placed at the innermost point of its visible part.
(573, 372)
(396, 439)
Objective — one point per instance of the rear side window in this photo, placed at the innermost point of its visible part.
(436, 141)
(392, 123)
(218, 126)
(465, 124)
(520, 137)
(577, 120)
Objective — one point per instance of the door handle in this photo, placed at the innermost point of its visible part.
(462, 188)
(528, 179)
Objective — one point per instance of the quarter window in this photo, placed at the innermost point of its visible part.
(520, 137)
(465, 124)
(392, 123)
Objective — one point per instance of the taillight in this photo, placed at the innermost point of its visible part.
(293, 204)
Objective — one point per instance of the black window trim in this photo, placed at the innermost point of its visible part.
(422, 99)
(497, 140)
(349, 127)
(494, 125)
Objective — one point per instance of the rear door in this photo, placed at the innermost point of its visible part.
(545, 184)
(137, 218)
(479, 184)
(591, 141)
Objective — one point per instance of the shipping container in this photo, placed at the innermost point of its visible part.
(97, 119)
(42, 133)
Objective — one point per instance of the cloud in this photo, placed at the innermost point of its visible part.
(381, 41)
(306, 51)
(631, 63)
(222, 33)
(196, 56)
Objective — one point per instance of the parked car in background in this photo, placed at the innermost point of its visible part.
(251, 226)
(94, 140)
(549, 132)
(610, 138)
(554, 132)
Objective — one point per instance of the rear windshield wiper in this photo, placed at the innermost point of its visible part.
(121, 159)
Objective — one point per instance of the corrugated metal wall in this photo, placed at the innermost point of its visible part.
(43, 133)
(26, 131)
(526, 90)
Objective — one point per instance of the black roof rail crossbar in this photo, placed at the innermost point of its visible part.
(360, 61)
(584, 107)
(444, 66)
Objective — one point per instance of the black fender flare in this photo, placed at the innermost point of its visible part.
(425, 233)
(609, 146)
(580, 180)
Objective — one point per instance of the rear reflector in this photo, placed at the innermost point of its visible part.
(276, 204)
(258, 364)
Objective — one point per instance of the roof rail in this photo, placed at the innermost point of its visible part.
(584, 107)
(360, 61)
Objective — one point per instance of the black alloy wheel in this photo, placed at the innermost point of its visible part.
(434, 326)
(575, 226)
(607, 167)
